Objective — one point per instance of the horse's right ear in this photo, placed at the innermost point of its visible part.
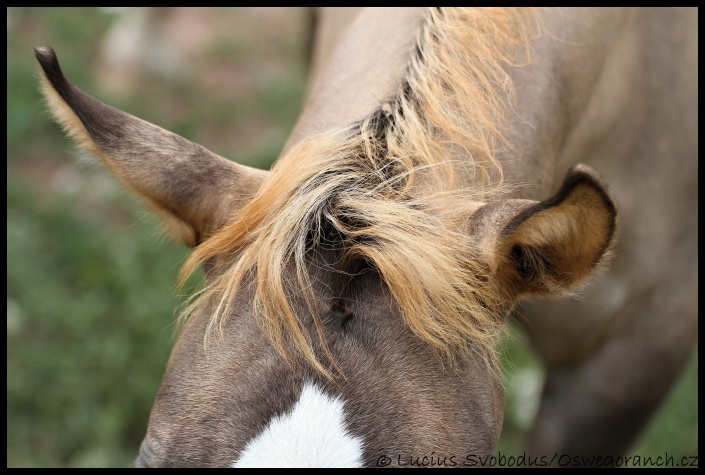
(196, 190)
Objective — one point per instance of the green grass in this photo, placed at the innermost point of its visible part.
(90, 294)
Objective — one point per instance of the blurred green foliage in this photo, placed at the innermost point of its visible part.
(88, 328)
(90, 295)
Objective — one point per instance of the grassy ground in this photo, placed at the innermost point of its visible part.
(90, 302)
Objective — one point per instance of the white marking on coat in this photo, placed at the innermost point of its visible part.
(312, 434)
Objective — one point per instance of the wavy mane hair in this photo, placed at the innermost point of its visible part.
(392, 188)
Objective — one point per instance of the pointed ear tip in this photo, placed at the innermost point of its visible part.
(44, 54)
(586, 174)
(582, 174)
(49, 63)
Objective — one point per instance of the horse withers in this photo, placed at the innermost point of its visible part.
(355, 292)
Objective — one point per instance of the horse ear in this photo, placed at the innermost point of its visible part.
(552, 246)
(197, 191)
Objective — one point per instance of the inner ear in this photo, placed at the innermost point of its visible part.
(529, 262)
(558, 243)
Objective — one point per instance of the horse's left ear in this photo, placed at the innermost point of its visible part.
(195, 190)
(554, 245)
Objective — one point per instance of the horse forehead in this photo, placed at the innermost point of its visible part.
(313, 433)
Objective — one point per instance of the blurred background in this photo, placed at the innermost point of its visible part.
(90, 294)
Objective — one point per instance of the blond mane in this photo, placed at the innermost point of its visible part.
(393, 188)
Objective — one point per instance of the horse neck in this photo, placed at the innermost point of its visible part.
(364, 69)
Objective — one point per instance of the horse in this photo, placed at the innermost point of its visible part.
(441, 180)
